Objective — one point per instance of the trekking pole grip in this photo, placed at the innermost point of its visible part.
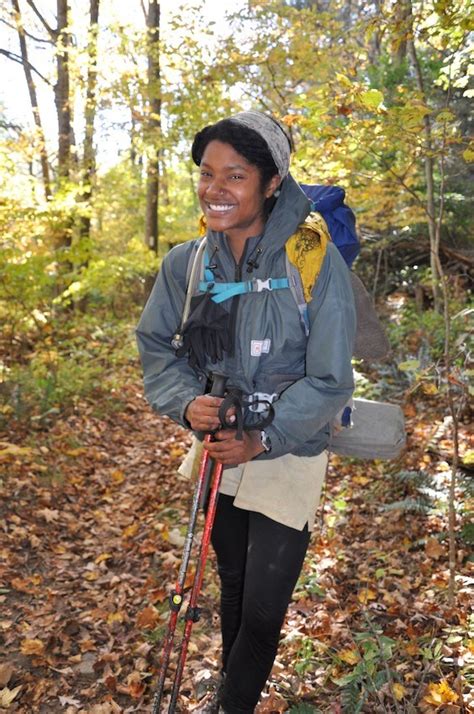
(218, 384)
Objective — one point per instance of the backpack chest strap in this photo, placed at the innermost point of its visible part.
(224, 291)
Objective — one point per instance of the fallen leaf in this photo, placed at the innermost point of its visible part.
(440, 693)
(25, 585)
(147, 618)
(117, 476)
(115, 617)
(7, 450)
(434, 549)
(69, 700)
(365, 595)
(50, 515)
(399, 691)
(91, 576)
(8, 695)
(361, 480)
(32, 647)
(6, 671)
(130, 531)
(349, 656)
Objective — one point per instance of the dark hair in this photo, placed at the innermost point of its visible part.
(246, 142)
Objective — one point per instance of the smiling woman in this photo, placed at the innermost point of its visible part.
(272, 479)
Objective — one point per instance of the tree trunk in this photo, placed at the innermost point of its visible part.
(153, 126)
(33, 100)
(428, 165)
(61, 91)
(403, 20)
(89, 160)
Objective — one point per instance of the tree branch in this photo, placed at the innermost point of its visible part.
(16, 58)
(40, 17)
(28, 34)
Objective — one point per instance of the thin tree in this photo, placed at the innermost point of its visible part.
(89, 158)
(429, 164)
(62, 89)
(62, 40)
(153, 128)
(27, 68)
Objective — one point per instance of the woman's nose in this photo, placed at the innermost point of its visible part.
(215, 187)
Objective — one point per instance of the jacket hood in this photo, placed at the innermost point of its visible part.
(290, 209)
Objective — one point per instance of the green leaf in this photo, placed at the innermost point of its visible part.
(445, 115)
(372, 99)
(409, 365)
(468, 154)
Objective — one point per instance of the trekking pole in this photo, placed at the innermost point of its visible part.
(193, 612)
(176, 596)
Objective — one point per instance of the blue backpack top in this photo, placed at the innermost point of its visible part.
(340, 219)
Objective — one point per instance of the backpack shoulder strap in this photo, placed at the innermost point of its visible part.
(194, 270)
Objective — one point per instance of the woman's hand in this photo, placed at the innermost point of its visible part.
(203, 413)
(230, 452)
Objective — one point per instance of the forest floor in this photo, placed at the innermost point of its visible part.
(92, 517)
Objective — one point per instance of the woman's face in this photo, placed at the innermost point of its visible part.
(230, 192)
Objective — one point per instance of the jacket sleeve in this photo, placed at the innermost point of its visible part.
(170, 384)
(311, 402)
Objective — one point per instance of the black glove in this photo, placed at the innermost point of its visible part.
(207, 333)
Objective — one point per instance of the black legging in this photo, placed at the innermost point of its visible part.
(259, 561)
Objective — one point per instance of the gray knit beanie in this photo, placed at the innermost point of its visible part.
(272, 133)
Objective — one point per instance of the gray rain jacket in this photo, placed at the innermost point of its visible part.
(310, 378)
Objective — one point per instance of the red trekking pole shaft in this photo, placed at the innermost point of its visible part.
(176, 597)
(192, 613)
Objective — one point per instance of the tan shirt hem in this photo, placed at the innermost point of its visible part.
(286, 489)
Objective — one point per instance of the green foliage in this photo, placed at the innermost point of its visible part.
(422, 331)
(115, 281)
(305, 656)
(370, 673)
(420, 490)
(75, 362)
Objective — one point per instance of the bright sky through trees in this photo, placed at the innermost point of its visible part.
(113, 122)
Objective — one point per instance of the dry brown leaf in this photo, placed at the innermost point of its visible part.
(6, 671)
(50, 515)
(147, 618)
(32, 647)
(8, 695)
(434, 549)
(117, 476)
(130, 531)
(365, 595)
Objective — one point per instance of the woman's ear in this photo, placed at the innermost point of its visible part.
(272, 185)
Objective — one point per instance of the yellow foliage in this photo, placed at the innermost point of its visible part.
(349, 656)
(440, 693)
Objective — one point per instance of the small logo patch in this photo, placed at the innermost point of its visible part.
(259, 347)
